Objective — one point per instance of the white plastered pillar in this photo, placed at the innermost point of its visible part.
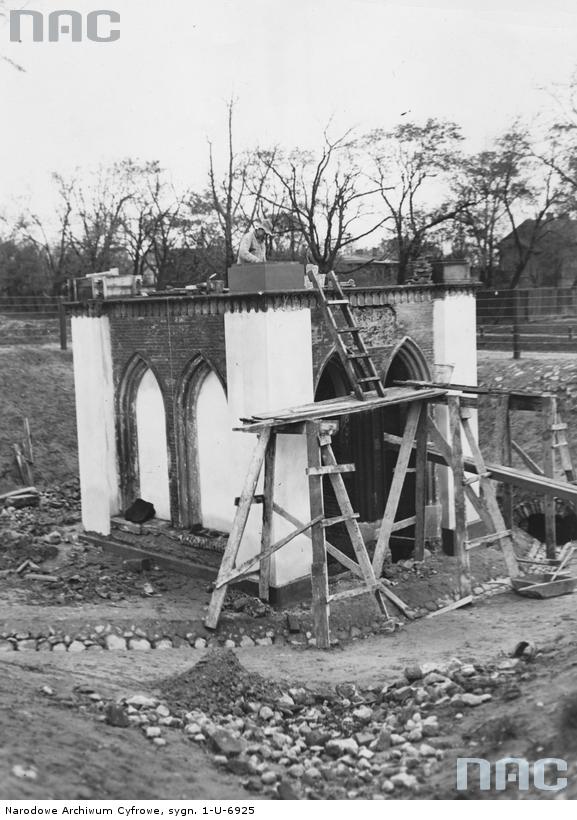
(455, 343)
(269, 367)
(94, 392)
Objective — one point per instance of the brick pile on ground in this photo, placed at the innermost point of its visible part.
(293, 742)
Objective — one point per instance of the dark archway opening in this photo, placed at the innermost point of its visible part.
(565, 527)
(360, 441)
(402, 543)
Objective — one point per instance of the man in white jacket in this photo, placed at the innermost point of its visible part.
(252, 247)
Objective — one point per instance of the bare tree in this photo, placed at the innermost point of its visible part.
(326, 197)
(235, 196)
(530, 187)
(412, 165)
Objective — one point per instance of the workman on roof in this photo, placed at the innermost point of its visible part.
(252, 247)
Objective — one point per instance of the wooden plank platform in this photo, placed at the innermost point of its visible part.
(343, 406)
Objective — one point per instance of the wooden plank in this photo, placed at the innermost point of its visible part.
(246, 566)
(19, 491)
(421, 438)
(28, 439)
(549, 507)
(503, 453)
(257, 499)
(331, 469)
(526, 458)
(394, 599)
(238, 527)
(396, 487)
(351, 524)
(319, 571)
(338, 519)
(346, 406)
(404, 523)
(542, 485)
(489, 502)
(267, 518)
(465, 601)
(518, 400)
(457, 470)
(331, 549)
(351, 593)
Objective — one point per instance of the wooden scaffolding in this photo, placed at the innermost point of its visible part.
(473, 481)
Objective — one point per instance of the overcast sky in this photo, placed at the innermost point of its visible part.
(161, 90)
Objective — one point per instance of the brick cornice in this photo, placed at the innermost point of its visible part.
(157, 305)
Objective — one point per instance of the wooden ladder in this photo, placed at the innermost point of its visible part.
(354, 355)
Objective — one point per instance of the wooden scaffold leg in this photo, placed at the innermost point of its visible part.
(319, 570)
(238, 527)
(549, 421)
(388, 525)
(458, 471)
(267, 517)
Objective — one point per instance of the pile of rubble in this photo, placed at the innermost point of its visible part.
(299, 743)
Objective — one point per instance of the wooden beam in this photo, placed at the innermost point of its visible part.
(351, 524)
(331, 469)
(496, 521)
(542, 485)
(238, 527)
(517, 400)
(421, 483)
(404, 523)
(331, 549)
(549, 420)
(267, 518)
(502, 434)
(396, 486)
(457, 469)
(465, 601)
(526, 458)
(319, 571)
(238, 572)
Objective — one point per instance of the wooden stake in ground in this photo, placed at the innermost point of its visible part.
(267, 516)
(319, 571)
(549, 420)
(457, 468)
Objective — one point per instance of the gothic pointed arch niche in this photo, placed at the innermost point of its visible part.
(203, 448)
(142, 444)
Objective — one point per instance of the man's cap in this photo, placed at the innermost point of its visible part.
(266, 226)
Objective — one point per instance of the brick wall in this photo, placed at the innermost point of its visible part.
(167, 342)
(169, 333)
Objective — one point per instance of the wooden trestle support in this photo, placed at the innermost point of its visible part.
(422, 441)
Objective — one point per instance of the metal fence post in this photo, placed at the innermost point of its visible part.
(516, 334)
(62, 321)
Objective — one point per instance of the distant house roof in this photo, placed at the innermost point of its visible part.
(556, 229)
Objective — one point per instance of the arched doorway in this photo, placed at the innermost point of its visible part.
(152, 445)
(406, 363)
(360, 441)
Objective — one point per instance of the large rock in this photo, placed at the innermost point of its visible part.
(115, 642)
(339, 747)
(142, 701)
(225, 743)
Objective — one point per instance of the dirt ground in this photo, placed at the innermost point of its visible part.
(75, 756)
